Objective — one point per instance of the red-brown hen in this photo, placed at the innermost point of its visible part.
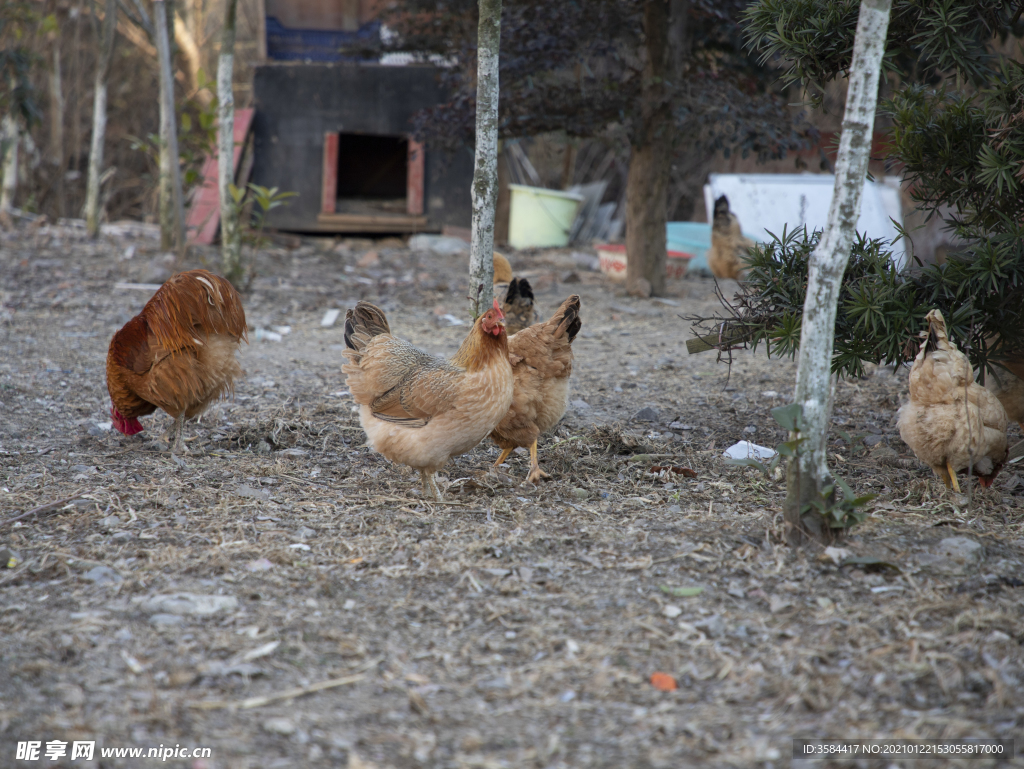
(178, 354)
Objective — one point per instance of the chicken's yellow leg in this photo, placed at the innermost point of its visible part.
(536, 473)
(179, 427)
(952, 477)
(430, 485)
(503, 456)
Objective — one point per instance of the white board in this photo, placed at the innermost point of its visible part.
(768, 202)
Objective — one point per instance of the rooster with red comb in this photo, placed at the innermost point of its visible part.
(420, 410)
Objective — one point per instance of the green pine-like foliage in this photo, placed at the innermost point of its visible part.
(881, 309)
(957, 137)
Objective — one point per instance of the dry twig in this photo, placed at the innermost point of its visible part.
(49, 506)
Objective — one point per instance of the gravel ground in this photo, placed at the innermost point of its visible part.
(201, 603)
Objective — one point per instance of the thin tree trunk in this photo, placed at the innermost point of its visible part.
(105, 41)
(809, 473)
(485, 171)
(77, 89)
(10, 141)
(56, 149)
(647, 183)
(230, 237)
(56, 110)
(172, 209)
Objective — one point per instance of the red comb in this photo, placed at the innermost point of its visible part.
(498, 308)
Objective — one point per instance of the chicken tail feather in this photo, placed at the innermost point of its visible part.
(519, 288)
(364, 323)
(568, 318)
(191, 302)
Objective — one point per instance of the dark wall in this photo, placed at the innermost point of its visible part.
(296, 104)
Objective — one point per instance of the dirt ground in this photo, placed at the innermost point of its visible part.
(512, 626)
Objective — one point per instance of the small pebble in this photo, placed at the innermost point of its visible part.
(72, 696)
(279, 726)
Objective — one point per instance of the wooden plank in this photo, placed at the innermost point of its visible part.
(414, 179)
(244, 172)
(370, 223)
(711, 341)
(395, 220)
(204, 210)
(329, 195)
(261, 30)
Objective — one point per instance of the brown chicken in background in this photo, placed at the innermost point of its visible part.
(515, 295)
(420, 410)
(951, 422)
(541, 358)
(178, 354)
(727, 242)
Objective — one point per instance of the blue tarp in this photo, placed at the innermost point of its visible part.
(286, 44)
(693, 238)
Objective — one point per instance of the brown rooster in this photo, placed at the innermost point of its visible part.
(541, 358)
(515, 295)
(951, 422)
(178, 354)
(420, 410)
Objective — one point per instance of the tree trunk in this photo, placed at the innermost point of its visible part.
(57, 111)
(646, 216)
(230, 237)
(650, 164)
(172, 213)
(9, 144)
(105, 43)
(56, 149)
(808, 473)
(485, 170)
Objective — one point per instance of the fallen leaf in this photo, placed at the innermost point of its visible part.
(368, 259)
(744, 552)
(260, 651)
(777, 603)
(686, 472)
(682, 592)
(417, 703)
(638, 565)
(835, 554)
(663, 682)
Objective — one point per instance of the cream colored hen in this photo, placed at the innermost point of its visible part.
(420, 410)
(1009, 389)
(727, 242)
(951, 422)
